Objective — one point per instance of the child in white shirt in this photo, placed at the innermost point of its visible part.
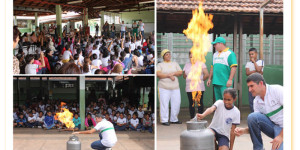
(225, 119)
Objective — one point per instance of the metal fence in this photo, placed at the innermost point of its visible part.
(179, 46)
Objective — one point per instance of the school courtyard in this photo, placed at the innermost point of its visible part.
(40, 139)
(168, 137)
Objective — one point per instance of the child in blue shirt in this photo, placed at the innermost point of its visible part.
(77, 122)
(49, 121)
(21, 121)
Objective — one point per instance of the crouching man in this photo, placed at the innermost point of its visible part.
(107, 134)
(268, 113)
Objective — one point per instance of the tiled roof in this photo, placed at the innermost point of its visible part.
(246, 6)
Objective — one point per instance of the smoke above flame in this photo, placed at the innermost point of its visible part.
(197, 31)
(65, 116)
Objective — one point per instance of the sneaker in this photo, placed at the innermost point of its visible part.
(39, 127)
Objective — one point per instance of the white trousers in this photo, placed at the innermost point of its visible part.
(164, 98)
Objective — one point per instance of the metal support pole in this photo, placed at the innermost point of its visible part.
(261, 34)
(18, 90)
(214, 50)
(28, 91)
(114, 83)
(48, 88)
(170, 44)
(235, 41)
(106, 84)
(58, 19)
(41, 88)
(261, 29)
(143, 96)
(82, 100)
(240, 75)
(36, 19)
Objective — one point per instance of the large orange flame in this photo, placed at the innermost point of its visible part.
(197, 31)
(65, 116)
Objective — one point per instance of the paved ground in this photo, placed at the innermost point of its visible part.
(39, 139)
(168, 137)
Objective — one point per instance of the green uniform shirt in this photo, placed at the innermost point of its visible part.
(222, 63)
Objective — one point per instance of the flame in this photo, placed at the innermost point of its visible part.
(65, 116)
(197, 31)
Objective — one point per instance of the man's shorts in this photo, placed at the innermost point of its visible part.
(222, 139)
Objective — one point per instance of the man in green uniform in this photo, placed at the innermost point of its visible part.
(223, 69)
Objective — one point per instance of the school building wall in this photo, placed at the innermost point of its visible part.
(55, 93)
(146, 16)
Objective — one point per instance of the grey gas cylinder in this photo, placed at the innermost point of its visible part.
(197, 137)
(73, 143)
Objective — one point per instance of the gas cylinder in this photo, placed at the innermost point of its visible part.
(73, 143)
(197, 137)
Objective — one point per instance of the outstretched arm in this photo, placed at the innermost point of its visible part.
(207, 112)
(85, 132)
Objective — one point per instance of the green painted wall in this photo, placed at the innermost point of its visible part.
(273, 74)
(29, 29)
(146, 16)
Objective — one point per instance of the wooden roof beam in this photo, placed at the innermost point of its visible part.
(33, 9)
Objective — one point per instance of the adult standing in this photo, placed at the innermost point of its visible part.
(142, 28)
(135, 29)
(112, 30)
(168, 87)
(200, 85)
(107, 134)
(123, 29)
(223, 69)
(106, 29)
(268, 113)
(97, 29)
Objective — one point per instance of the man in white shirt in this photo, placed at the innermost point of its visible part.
(268, 113)
(107, 134)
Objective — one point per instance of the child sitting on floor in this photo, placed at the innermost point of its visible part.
(121, 123)
(147, 123)
(49, 121)
(134, 123)
(89, 122)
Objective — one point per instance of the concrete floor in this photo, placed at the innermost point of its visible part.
(168, 137)
(39, 139)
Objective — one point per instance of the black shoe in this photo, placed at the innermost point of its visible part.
(177, 122)
(166, 124)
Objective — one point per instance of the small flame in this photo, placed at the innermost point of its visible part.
(65, 116)
(197, 31)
